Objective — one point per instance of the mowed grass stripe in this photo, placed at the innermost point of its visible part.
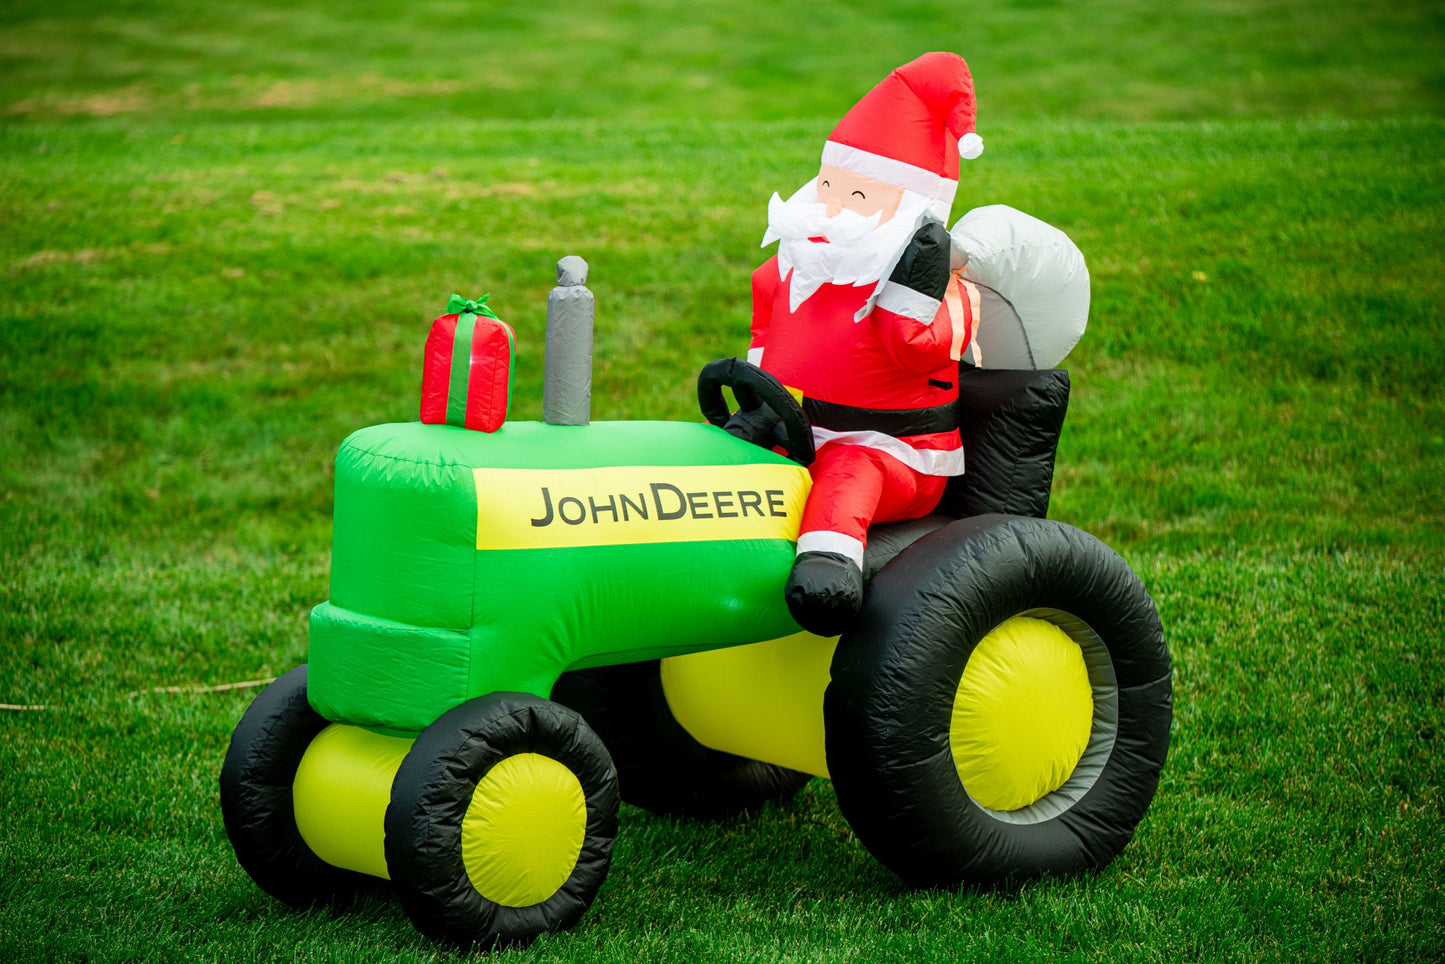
(1264, 333)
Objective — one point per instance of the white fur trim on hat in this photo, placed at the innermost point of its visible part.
(890, 171)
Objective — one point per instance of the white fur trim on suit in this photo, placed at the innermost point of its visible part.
(836, 542)
(945, 462)
(755, 355)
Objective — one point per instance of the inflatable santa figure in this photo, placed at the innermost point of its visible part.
(858, 315)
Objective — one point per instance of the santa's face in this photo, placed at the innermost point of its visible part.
(840, 190)
(865, 223)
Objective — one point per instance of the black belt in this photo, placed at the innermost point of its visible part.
(898, 422)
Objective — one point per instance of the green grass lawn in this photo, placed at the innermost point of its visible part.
(224, 231)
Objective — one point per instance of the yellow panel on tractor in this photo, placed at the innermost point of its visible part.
(763, 701)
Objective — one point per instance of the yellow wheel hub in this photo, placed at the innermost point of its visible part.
(1022, 714)
(523, 830)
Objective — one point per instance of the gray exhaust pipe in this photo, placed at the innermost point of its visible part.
(567, 368)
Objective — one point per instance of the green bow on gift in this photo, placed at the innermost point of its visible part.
(457, 305)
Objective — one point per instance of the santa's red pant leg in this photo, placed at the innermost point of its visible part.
(853, 487)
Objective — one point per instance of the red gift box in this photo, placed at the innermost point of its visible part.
(467, 370)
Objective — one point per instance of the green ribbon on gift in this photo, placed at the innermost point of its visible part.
(457, 305)
(467, 313)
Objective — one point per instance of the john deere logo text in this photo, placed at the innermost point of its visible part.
(666, 504)
(548, 509)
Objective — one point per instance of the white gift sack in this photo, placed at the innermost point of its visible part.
(1033, 288)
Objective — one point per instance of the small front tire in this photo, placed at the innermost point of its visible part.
(501, 822)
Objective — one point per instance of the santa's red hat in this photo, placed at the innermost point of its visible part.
(912, 128)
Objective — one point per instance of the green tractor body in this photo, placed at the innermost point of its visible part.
(465, 563)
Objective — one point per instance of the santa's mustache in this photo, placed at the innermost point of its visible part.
(798, 218)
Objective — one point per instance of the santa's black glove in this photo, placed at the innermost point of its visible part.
(759, 425)
(924, 266)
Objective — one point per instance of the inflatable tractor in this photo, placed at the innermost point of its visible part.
(530, 622)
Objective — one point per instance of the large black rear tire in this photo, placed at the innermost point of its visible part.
(895, 678)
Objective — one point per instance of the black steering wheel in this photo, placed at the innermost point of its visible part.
(755, 389)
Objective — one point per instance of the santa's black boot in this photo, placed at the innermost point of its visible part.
(824, 592)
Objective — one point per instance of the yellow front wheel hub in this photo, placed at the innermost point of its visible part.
(523, 830)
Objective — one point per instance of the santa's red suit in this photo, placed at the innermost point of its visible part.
(876, 364)
(881, 394)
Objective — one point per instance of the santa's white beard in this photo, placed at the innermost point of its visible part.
(859, 251)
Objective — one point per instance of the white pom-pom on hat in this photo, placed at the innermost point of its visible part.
(970, 145)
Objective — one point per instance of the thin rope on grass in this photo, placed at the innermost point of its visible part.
(220, 688)
(197, 688)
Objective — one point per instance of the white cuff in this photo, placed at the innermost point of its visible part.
(902, 300)
(835, 542)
